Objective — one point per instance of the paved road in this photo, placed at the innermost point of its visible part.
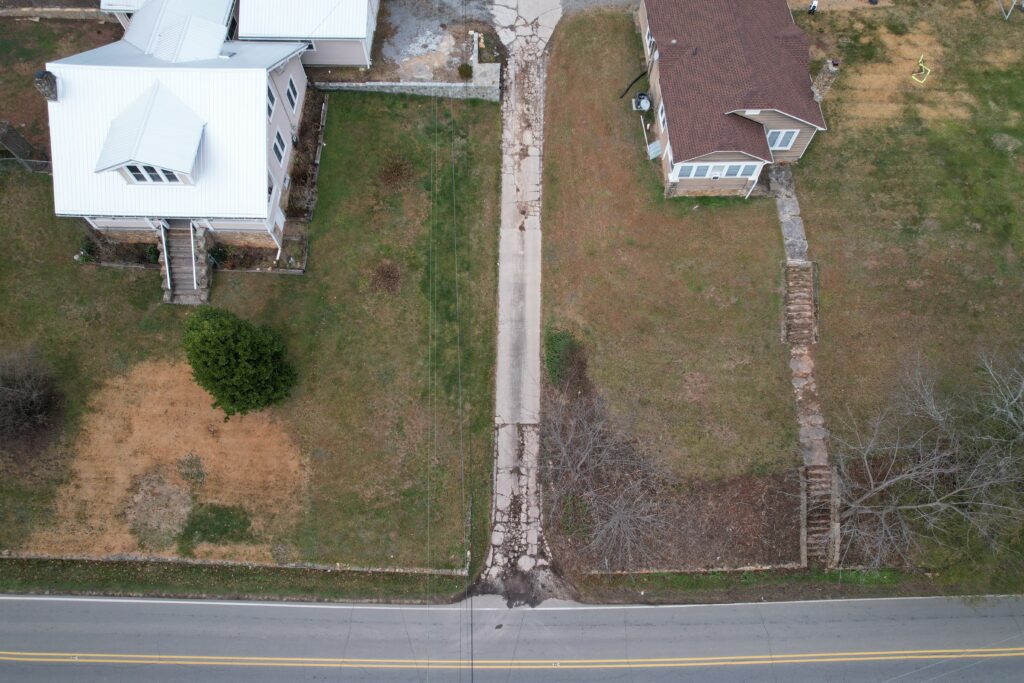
(63, 639)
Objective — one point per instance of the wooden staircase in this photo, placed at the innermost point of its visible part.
(801, 314)
(178, 262)
(820, 514)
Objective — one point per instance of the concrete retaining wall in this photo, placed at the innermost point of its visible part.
(55, 13)
(458, 91)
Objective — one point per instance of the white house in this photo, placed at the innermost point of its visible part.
(122, 9)
(176, 136)
(339, 32)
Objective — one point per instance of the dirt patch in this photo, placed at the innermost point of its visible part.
(396, 173)
(140, 427)
(157, 510)
(387, 277)
(877, 93)
(738, 522)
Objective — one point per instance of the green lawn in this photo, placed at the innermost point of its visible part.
(677, 302)
(89, 323)
(377, 400)
(394, 400)
(918, 224)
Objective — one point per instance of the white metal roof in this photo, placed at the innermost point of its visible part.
(121, 5)
(227, 93)
(180, 30)
(157, 129)
(303, 19)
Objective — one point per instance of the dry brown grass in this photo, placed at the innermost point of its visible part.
(878, 91)
(142, 424)
(676, 302)
(912, 262)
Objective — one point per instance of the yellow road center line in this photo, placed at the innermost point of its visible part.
(667, 662)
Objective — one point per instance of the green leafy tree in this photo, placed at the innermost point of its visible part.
(241, 364)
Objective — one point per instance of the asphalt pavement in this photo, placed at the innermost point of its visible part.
(909, 640)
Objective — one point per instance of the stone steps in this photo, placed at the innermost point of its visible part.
(179, 261)
(801, 305)
(819, 518)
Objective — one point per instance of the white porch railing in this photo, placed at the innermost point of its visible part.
(192, 241)
(167, 256)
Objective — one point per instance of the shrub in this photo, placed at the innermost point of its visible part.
(465, 71)
(191, 470)
(214, 524)
(29, 397)
(560, 348)
(242, 365)
(152, 254)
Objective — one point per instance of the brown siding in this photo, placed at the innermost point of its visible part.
(773, 120)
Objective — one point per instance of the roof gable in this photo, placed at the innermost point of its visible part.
(303, 19)
(180, 30)
(157, 129)
(720, 56)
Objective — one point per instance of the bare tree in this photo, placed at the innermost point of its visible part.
(935, 471)
(28, 395)
(591, 465)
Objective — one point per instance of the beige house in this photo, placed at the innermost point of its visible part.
(337, 32)
(730, 90)
(177, 137)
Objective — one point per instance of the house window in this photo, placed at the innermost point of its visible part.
(271, 102)
(141, 174)
(781, 140)
(270, 186)
(136, 173)
(716, 171)
(662, 119)
(292, 93)
(279, 147)
(650, 42)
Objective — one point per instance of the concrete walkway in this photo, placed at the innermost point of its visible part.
(517, 558)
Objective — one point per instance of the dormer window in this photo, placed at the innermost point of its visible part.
(143, 174)
(154, 141)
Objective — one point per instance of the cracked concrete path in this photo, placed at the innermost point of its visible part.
(517, 559)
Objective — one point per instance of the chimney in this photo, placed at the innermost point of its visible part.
(46, 83)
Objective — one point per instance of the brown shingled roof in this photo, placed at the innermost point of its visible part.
(719, 56)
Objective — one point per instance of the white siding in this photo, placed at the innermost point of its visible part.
(230, 175)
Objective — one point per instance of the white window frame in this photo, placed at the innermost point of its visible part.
(271, 102)
(781, 135)
(704, 171)
(292, 94)
(147, 174)
(649, 41)
(281, 153)
(663, 118)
